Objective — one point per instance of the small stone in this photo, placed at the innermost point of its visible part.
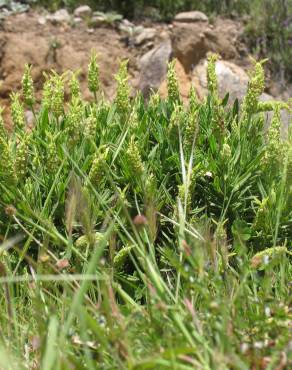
(83, 11)
(190, 17)
(62, 264)
(42, 21)
(126, 23)
(29, 118)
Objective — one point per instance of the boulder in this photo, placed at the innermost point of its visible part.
(188, 43)
(191, 17)
(153, 67)
(232, 79)
(192, 41)
(83, 11)
(148, 34)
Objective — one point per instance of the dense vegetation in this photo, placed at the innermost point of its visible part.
(144, 235)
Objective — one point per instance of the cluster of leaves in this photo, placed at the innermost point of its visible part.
(135, 222)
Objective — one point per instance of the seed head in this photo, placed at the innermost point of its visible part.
(274, 148)
(255, 88)
(21, 159)
(17, 112)
(226, 151)
(53, 94)
(52, 158)
(135, 162)
(57, 102)
(74, 86)
(211, 75)
(193, 99)
(93, 74)
(27, 87)
(90, 125)
(172, 83)
(178, 117)
(10, 210)
(154, 100)
(98, 165)
(7, 173)
(3, 132)
(123, 90)
(47, 93)
(192, 126)
(74, 120)
(121, 257)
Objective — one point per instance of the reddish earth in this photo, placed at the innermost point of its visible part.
(65, 47)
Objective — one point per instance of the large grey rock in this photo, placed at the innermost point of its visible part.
(232, 79)
(83, 11)
(190, 17)
(153, 67)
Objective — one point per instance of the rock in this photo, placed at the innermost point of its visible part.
(125, 22)
(232, 79)
(184, 83)
(77, 20)
(188, 43)
(60, 16)
(153, 67)
(83, 11)
(190, 17)
(148, 34)
(97, 21)
(192, 41)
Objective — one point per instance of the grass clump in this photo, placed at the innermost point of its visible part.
(144, 236)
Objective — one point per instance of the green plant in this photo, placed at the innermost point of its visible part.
(144, 236)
